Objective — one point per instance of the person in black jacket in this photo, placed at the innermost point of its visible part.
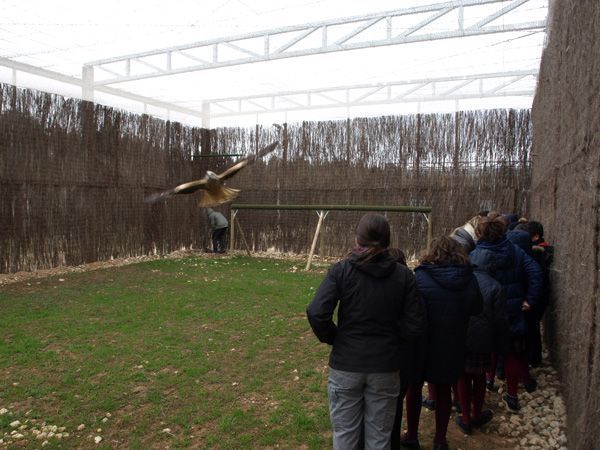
(487, 333)
(543, 254)
(378, 306)
(451, 294)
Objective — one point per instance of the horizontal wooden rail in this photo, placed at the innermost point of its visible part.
(322, 211)
(218, 155)
(417, 209)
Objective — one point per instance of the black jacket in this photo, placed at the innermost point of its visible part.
(379, 307)
(488, 331)
(451, 296)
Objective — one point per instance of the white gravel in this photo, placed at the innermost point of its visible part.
(541, 422)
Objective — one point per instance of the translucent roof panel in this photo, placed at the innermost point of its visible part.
(63, 36)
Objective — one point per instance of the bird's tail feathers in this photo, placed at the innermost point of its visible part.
(158, 196)
(223, 195)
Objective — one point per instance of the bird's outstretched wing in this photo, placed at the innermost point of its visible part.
(231, 171)
(190, 186)
(218, 194)
(185, 188)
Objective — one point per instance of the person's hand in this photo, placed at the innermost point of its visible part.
(525, 306)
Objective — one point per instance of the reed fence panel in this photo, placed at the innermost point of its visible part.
(74, 176)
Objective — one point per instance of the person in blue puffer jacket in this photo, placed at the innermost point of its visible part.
(451, 295)
(487, 334)
(521, 278)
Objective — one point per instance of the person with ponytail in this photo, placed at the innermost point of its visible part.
(378, 307)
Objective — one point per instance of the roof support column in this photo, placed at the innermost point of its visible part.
(87, 88)
(206, 115)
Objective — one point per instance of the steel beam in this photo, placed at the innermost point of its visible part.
(119, 69)
(87, 92)
(363, 94)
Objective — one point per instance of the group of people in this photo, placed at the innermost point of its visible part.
(470, 312)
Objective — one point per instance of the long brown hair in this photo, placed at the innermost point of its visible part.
(445, 250)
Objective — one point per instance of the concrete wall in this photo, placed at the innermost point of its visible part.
(565, 197)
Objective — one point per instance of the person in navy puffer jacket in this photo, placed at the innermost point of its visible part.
(521, 278)
(487, 333)
(451, 294)
(521, 239)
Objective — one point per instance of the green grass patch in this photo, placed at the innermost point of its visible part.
(174, 352)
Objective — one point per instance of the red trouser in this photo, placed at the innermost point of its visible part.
(471, 391)
(516, 368)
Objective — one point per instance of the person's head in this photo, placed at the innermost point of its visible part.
(491, 230)
(536, 230)
(373, 230)
(372, 235)
(493, 214)
(523, 227)
(483, 213)
(209, 211)
(464, 237)
(397, 255)
(471, 225)
(445, 250)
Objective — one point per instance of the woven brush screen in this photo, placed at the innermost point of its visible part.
(74, 176)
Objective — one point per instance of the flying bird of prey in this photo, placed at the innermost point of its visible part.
(215, 191)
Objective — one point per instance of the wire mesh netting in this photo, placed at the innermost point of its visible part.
(74, 176)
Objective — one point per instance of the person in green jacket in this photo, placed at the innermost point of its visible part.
(219, 225)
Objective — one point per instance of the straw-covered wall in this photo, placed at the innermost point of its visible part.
(566, 198)
(74, 175)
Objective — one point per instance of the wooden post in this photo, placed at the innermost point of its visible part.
(243, 237)
(429, 229)
(322, 215)
(232, 229)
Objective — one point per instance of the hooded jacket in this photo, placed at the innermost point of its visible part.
(488, 331)
(216, 220)
(464, 237)
(451, 295)
(521, 239)
(517, 272)
(378, 307)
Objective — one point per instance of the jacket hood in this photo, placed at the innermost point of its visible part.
(511, 220)
(521, 239)
(483, 261)
(464, 238)
(452, 277)
(381, 266)
(496, 256)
